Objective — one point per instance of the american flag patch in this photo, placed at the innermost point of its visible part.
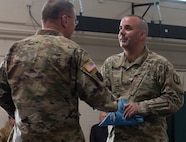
(89, 66)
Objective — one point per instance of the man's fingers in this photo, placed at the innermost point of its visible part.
(130, 109)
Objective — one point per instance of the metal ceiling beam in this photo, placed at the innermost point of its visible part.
(102, 25)
(145, 4)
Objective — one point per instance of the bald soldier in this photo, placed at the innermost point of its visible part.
(146, 80)
(43, 76)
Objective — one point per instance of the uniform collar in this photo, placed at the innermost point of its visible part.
(125, 63)
(49, 32)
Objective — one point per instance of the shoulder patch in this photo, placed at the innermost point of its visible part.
(99, 76)
(176, 79)
(89, 66)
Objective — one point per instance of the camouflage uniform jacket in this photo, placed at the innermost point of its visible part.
(46, 74)
(153, 84)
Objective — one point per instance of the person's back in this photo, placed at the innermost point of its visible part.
(46, 74)
(43, 78)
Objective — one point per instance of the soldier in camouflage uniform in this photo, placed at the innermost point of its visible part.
(146, 80)
(43, 76)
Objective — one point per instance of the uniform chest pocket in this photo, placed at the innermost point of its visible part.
(128, 78)
(149, 82)
(116, 77)
(147, 87)
(116, 81)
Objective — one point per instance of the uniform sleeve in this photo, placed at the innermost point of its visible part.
(171, 97)
(5, 92)
(90, 85)
(105, 71)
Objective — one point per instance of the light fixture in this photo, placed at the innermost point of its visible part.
(183, 1)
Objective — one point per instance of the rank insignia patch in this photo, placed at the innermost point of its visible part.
(90, 66)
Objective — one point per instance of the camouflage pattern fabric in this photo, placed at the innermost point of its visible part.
(153, 84)
(46, 74)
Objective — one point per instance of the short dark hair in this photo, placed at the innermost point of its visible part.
(52, 9)
(143, 23)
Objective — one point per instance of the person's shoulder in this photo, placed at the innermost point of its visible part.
(114, 58)
(157, 56)
(59, 40)
(95, 126)
(68, 41)
(159, 59)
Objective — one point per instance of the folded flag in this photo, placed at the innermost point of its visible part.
(117, 118)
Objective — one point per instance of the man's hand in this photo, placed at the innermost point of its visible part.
(130, 109)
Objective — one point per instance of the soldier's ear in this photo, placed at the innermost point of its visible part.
(143, 34)
(64, 20)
